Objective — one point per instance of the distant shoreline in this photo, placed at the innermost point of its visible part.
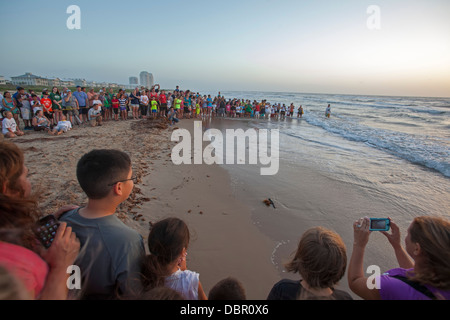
(12, 87)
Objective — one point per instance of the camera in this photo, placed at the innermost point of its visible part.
(379, 224)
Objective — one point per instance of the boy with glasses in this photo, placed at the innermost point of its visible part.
(112, 251)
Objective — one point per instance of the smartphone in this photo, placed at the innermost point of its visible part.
(45, 230)
(379, 224)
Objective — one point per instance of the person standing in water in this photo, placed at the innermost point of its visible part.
(300, 112)
(328, 111)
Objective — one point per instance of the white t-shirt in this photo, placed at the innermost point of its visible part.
(37, 107)
(93, 112)
(144, 99)
(8, 124)
(97, 102)
(185, 282)
(64, 125)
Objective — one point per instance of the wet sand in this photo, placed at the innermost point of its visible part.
(224, 241)
(233, 232)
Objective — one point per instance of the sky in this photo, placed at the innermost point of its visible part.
(321, 46)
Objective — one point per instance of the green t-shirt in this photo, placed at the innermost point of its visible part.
(154, 105)
(57, 97)
(107, 102)
(177, 103)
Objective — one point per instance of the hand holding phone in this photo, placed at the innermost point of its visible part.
(64, 249)
(45, 230)
(379, 224)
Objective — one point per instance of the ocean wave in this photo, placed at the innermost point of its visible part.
(422, 150)
(433, 112)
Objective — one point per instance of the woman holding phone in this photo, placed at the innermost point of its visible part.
(424, 269)
(43, 272)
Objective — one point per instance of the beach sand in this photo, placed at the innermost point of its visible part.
(224, 240)
(233, 233)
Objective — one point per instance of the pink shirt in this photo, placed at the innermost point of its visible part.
(25, 265)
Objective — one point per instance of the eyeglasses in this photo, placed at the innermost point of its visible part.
(132, 178)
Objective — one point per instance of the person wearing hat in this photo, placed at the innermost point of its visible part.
(83, 103)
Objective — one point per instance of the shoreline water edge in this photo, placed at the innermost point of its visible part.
(329, 184)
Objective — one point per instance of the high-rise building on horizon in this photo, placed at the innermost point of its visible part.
(134, 81)
(146, 79)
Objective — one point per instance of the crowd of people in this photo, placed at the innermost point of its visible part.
(65, 109)
(115, 265)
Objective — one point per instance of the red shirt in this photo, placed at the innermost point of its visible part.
(115, 103)
(47, 103)
(25, 265)
(162, 98)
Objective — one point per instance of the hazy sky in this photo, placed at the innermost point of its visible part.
(301, 45)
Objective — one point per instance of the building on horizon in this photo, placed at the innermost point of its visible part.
(146, 79)
(29, 79)
(134, 81)
(80, 82)
(152, 80)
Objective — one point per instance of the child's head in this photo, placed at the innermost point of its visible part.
(227, 289)
(167, 239)
(167, 242)
(321, 258)
(99, 170)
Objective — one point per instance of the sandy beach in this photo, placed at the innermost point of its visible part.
(225, 242)
(233, 232)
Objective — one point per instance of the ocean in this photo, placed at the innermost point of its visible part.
(395, 145)
(376, 156)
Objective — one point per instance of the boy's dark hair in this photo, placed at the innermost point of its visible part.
(227, 289)
(98, 169)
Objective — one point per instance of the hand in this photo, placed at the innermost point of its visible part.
(64, 249)
(64, 209)
(393, 237)
(361, 232)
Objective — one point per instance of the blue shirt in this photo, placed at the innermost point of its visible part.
(82, 98)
